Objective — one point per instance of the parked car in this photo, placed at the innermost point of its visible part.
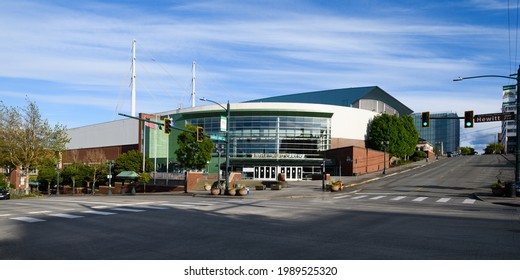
(4, 194)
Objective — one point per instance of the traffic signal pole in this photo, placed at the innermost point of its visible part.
(517, 120)
(512, 191)
(160, 124)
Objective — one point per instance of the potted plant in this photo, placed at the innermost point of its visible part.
(498, 188)
(232, 191)
(242, 191)
(336, 186)
(215, 190)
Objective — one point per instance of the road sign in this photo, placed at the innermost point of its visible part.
(495, 117)
(217, 137)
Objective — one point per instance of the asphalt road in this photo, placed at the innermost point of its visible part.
(425, 213)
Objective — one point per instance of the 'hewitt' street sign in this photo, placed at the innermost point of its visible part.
(494, 117)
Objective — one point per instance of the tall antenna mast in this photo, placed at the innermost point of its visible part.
(133, 78)
(193, 84)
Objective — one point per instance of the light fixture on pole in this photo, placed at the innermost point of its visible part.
(110, 164)
(511, 192)
(228, 113)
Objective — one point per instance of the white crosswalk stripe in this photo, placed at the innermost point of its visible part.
(28, 219)
(128, 209)
(388, 197)
(40, 212)
(152, 207)
(112, 209)
(102, 213)
(67, 216)
(174, 205)
(469, 201)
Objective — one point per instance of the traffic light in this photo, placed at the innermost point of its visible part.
(167, 126)
(425, 119)
(468, 119)
(200, 133)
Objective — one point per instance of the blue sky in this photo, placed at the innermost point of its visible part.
(73, 57)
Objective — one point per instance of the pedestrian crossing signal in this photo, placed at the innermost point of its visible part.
(425, 119)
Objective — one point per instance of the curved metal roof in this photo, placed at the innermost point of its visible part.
(341, 97)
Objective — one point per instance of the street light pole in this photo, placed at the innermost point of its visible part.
(110, 164)
(517, 121)
(228, 115)
(228, 111)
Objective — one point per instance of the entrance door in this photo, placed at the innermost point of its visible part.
(292, 172)
(265, 172)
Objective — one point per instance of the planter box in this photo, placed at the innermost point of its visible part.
(259, 188)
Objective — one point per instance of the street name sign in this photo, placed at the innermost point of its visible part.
(217, 137)
(494, 117)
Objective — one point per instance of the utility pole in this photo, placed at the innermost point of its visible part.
(133, 78)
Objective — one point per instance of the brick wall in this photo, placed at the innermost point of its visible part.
(108, 153)
(361, 160)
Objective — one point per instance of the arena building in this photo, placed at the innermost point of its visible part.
(287, 134)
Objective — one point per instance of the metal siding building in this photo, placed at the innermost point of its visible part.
(371, 98)
(115, 133)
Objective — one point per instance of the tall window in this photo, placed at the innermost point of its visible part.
(272, 134)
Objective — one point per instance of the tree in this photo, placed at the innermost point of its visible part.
(494, 148)
(398, 132)
(97, 162)
(47, 173)
(144, 178)
(467, 151)
(132, 161)
(26, 139)
(192, 154)
(72, 172)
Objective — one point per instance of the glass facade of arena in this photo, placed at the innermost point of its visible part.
(263, 135)
(262, 146)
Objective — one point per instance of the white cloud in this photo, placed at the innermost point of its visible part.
(244, 51)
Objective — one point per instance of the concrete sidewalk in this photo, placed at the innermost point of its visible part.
(303, 189)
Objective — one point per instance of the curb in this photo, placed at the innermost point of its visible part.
(503, 203)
